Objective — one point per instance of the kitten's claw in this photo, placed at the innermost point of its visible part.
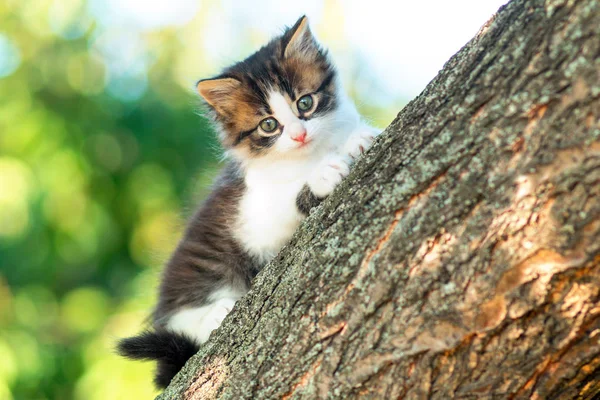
(360, 141)
(330, 173)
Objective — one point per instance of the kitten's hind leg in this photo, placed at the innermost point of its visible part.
(198, 322)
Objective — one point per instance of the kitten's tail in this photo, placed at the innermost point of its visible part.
(171, 351)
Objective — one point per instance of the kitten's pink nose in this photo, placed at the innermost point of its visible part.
(300, 136)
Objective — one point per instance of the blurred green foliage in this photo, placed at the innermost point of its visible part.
(100, 162)
(91, 193)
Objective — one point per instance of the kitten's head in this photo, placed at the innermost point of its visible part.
(282, 101)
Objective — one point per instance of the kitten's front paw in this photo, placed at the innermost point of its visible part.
(329, 174)
(360, 141)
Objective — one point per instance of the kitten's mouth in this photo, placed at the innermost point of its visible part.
(305, 143)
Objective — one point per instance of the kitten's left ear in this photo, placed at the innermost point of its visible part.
(218, 90)
(299, 39)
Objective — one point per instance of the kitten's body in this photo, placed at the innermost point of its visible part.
(273, 178)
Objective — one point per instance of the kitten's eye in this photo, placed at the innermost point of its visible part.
(305, 103)
(268, 125)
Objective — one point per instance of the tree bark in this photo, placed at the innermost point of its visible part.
(461, 257)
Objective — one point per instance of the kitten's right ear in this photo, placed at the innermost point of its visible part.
(299, 39)
(216, 90)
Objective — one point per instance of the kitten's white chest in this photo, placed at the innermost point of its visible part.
(268, 215)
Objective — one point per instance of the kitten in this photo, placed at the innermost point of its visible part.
(290, 135)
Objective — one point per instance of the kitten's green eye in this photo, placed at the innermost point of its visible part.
(305, 103)
(269, 125)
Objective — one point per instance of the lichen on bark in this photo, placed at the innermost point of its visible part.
(461, 257)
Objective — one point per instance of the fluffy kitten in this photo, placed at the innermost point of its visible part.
(290, 134)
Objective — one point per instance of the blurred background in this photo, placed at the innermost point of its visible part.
(103, 154)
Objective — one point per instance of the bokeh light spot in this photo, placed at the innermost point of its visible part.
(155, 238)
(66, 211)
(151, 187)
(107, 151)
(9, 56)
(8, 365)
(6, 300)
(125, 379)
(27, 355)
(84, 309)
(16, 186)
(5, 391)
(36, 307)
(144, 14)
(67, 18)
(127, 85)
(86, 73)
(64, 172)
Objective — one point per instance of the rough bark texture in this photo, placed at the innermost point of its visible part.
(461, 258)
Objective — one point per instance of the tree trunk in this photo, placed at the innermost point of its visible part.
(461, 257)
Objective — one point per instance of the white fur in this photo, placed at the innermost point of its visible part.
(268, 215)
(197, 323)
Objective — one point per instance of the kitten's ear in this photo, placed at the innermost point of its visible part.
(216, 90)
(299, 39)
